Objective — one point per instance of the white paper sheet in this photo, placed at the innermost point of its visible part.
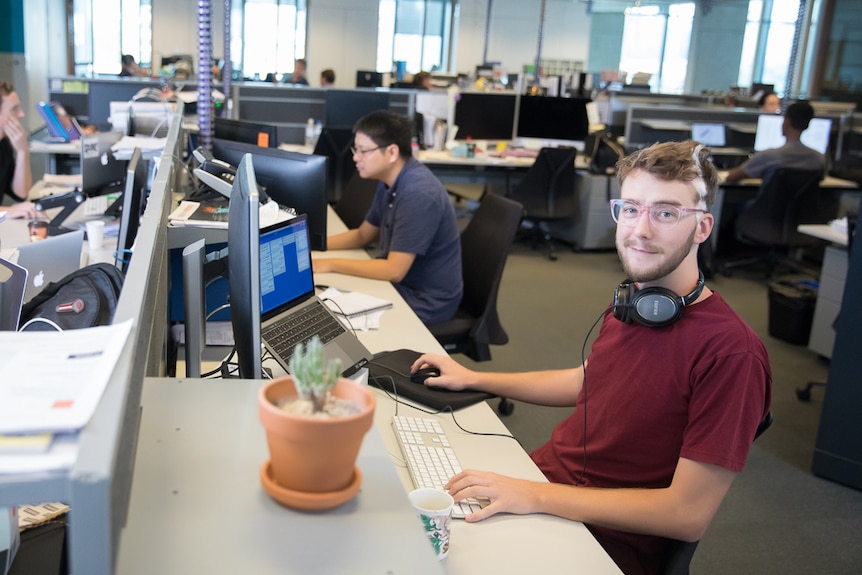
(52, 381)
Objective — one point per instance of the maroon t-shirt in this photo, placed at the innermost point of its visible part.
(696, 389)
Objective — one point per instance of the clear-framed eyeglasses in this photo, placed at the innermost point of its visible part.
(664, 216)
(356, 151)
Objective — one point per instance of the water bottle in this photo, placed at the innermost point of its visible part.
(309, 133)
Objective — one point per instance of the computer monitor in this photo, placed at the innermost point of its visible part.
(256, 133)
(134, 199)
(369, 79)
(485, 116)
(817, 134)
(709, 134)
(291, 179)
(244, 268)
(550, 118)
(345, 107)
(769, 133)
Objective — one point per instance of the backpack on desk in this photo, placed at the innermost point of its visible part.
(84, 298)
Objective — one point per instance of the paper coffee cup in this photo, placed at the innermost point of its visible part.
(435, 511)
(95, 234)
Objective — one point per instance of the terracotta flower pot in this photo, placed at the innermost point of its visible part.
(314, 456)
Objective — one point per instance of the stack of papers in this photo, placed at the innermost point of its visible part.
(214, 215)
(150, 147)
(50, 385)
(358, 311)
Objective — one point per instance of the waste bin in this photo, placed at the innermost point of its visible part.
(791, 310)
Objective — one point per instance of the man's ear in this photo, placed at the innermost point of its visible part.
(704, 228)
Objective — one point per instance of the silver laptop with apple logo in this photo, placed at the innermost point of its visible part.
(50, 260)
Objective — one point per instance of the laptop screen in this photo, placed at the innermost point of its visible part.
(708, 134)
(285, 265)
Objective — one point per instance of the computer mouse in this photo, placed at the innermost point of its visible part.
(424, 373)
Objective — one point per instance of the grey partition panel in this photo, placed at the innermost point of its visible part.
(646, 125)
(289, 107)
(838, 451)
(97, 485)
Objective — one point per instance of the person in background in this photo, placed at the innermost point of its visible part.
(666, 431)
(422, 81)
(411, 218)
(15, 176)
(299, 71)
(769, 103)
(327, 78)
(793, 154)
(131, 68)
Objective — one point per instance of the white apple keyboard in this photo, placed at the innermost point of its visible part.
(431, 461)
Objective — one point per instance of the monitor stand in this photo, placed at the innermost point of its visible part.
(69, 201)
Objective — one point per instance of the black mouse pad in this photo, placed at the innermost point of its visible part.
(390, 371)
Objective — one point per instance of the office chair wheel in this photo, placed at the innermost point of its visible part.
(505, 407)
(803, 394)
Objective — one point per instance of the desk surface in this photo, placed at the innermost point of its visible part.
(179, 523)
(825, 232)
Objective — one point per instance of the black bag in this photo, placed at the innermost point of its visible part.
(84, 298)
(603, 153)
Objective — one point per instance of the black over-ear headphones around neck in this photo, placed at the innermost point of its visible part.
(652, 306)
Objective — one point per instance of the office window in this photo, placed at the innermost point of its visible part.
(768, 41)
(656, 41)
(268, 35)
(416, 32)
(98, 42)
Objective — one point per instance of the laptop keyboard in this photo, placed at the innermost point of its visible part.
(300, 326)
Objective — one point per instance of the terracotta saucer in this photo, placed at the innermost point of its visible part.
(308, 501)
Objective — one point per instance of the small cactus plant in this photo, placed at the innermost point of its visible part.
(313, 379)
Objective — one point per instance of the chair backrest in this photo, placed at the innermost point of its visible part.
(485, 244)
(355, 200)
(786, 198)
(679, 553)
(548, 188)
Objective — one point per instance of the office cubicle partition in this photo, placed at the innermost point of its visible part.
(98, 484)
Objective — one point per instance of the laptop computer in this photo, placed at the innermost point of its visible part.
(13, 280)
(99, 168)
(290, 310)
(50, 260)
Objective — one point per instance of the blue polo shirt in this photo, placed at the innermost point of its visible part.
(416, 216)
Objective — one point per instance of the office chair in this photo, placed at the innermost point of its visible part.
(355, 200)
(485, 244)
(680, 553)
(786, 199)
(547, 193)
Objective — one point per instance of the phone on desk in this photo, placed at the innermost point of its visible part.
(214, 173)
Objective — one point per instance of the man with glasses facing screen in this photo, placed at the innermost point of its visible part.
(676, 385)
(411, 218)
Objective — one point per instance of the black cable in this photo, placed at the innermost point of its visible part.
(344, 315)
(584, 387)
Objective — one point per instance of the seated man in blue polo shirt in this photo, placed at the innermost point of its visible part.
(411, 218)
